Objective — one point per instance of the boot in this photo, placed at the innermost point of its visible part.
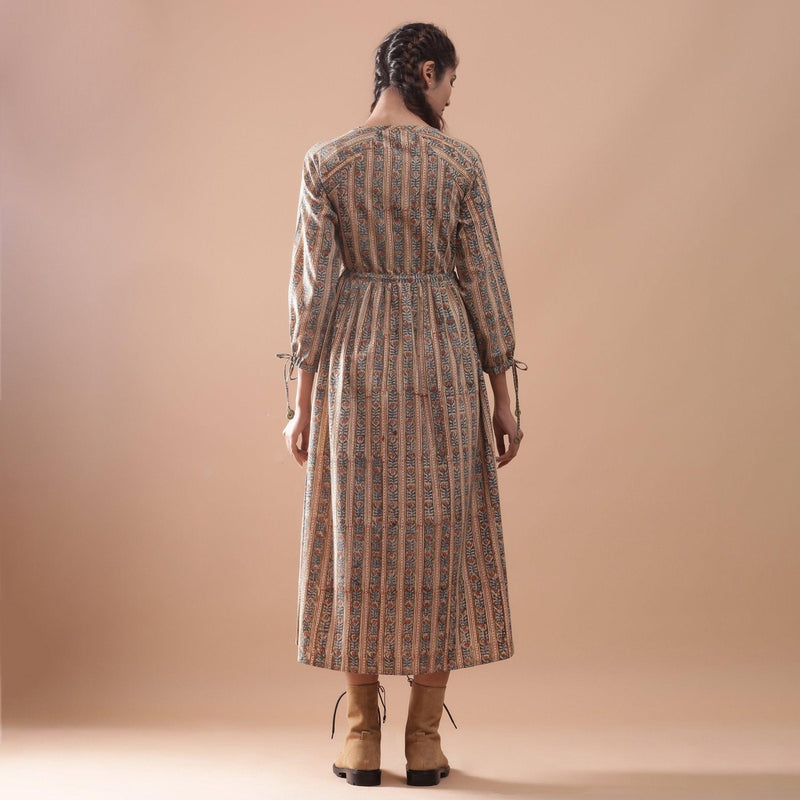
(360, 759)
(425, 761)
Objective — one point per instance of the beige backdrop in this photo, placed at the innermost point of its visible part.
(643, 161)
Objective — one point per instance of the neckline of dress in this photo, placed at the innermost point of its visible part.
(377, 127)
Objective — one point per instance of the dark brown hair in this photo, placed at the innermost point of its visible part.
(398, 60)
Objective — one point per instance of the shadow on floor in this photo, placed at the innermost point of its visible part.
(638, 785)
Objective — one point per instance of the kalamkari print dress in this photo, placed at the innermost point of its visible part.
(398, 301)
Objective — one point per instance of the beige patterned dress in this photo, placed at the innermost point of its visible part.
(398, 301)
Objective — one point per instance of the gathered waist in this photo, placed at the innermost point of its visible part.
(398, 276)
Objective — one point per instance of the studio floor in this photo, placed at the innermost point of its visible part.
(678, 763)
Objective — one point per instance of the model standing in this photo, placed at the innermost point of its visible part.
(398, 303)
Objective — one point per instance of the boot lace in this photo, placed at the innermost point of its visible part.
(411, 683)
(381, 697)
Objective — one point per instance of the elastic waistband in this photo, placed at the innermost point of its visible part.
(399, 276)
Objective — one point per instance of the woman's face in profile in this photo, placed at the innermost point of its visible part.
(439, 95)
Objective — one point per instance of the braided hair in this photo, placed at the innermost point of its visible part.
(397, 63)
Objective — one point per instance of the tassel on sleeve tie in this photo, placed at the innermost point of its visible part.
(522, 365)
(288, 368)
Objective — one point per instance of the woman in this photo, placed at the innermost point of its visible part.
(402, 560)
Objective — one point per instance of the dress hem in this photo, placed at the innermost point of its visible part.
(310, 663)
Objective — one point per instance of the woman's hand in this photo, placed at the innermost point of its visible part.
(296, 434)
(505, 424)
(298, 428)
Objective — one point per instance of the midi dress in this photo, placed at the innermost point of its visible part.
(398, 301)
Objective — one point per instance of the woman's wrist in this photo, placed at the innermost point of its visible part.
(499, 387)
(305, 385)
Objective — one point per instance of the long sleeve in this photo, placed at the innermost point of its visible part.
(316, 262)
(481, 278)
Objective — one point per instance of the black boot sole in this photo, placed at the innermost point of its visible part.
(359, 777)
(426, 777)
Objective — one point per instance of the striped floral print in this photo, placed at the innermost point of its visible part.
(398, 301)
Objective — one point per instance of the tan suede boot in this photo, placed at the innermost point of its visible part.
(425, 761)
(360, 759)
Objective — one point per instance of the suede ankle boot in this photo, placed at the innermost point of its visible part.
(360, 759)
(425, 761)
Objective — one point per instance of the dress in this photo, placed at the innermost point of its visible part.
(402, 561)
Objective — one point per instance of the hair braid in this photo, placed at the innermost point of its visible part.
(398, 59)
